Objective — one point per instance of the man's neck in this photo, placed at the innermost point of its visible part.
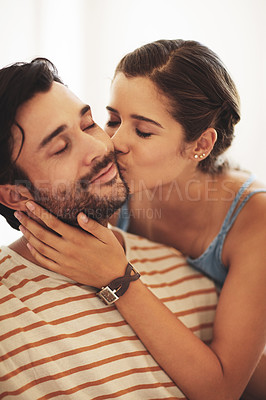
(20, 247)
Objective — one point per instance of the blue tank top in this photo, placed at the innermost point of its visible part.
(210, 262)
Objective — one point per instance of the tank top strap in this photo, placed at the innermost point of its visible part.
(229, 220)
(124, 217)
(232, 220)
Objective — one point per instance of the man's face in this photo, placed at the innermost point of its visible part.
(67, 158)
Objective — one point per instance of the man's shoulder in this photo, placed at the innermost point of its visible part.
(147, 255)
(12, 254)
(14, 267)
(8, 256)
(12, 263)
(166, 272)
(140, 248)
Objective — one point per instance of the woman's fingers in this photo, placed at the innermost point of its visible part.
(95, 228)
(38, 231)
(42, 248)
(88, 224)
(45, 262)
(49, 219)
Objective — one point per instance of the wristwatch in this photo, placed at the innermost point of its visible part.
(107, 295)
(112, 292)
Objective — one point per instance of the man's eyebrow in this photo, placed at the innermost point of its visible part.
(51, 136)
(60, 129)
(136, 116)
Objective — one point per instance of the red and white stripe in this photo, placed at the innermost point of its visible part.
(58, 340)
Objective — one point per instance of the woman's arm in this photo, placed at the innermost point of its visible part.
(220, 371)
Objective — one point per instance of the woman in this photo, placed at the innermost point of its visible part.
(172, 114)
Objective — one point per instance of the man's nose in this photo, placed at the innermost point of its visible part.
(95, 146)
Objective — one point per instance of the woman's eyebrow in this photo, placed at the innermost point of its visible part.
(142, 118)
(111, 109)
(136, 116)
(84, 109)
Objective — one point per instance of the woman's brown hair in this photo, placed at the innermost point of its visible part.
(200, 90)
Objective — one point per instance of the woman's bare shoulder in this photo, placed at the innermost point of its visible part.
(231, 182)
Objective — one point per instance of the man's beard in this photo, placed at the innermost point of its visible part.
(68, 200)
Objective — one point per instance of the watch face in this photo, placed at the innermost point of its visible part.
(108, 295)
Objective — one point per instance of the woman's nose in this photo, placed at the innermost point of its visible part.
(120, 141)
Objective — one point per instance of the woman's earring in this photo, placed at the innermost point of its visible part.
(199, 156)
(202, 155)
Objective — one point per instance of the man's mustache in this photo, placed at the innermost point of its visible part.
(84, 182)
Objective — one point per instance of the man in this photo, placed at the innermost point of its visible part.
(57, 338)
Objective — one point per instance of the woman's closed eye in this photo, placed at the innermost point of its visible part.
(112, 124)
(143, 134)
(111, 127)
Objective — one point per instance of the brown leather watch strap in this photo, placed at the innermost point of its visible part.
(120, 285)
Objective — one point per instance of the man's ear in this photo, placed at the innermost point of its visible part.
(204, 144)
(15, 197)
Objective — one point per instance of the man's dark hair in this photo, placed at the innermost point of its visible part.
(19, 83)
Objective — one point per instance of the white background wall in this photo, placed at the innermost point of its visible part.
(86, 38)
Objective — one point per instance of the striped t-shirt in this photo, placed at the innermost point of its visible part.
(58, 340)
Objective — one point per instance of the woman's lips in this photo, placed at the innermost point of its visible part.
(106, 174)
(121, 168)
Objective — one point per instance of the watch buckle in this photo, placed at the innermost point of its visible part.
(108, 295)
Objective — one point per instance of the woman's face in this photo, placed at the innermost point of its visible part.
(147, 138)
